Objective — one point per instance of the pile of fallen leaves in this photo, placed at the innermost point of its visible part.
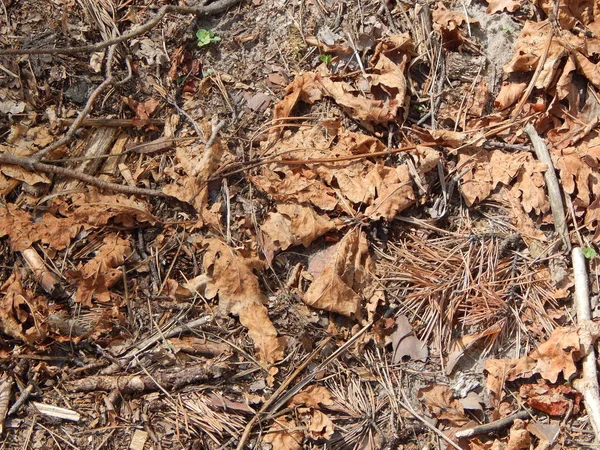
(374, 265)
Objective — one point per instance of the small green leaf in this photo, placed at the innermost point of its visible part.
(205, 37)
(588, 252)
(326, 59)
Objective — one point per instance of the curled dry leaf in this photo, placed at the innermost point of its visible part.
(340, 286)
(519, 437)
(231, 277)
(21, 314)
(529, 49)
(196, 163)
(509, 94)
(291, 225)
(97, 276)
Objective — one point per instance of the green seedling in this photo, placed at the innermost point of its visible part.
(588, 252)
(206, 37)
(326, 59)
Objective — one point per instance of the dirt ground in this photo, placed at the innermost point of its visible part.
(298, 224)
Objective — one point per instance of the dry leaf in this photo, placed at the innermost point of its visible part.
(313, 396)
(509, 94)
(231, 277)
(284, 435)
(440, 401)
(292, 225)
(320, 425)
(565, 346)
(405, 343)
(519, 438)
(495, 6)
(97, 276)
(338, 289)
(500, 371)
(529, 49)
(555, 400)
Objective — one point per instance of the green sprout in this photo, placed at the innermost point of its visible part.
(205, 37)
(326, 59)
(588, 252)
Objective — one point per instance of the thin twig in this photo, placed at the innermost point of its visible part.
(30, 164)
(554, 192)
(205, 10)
(588, 383)
(492, 426)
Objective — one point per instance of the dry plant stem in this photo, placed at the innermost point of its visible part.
(492, 426)
(554, 192)
(216, 7)
(588, 384)
(30, 164)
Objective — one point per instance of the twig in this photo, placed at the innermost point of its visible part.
(30, 164)
(85, 111)
(492, 426)
(204, 10)
(588, 383)
(554, 193)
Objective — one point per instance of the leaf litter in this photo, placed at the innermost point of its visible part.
(374, 251)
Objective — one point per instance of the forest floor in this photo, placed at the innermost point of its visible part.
(295, 224)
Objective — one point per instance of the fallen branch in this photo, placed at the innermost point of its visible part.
(216, 7)
(131, 384)
(31, 164)
(588, 383)
(554, 192)
(492, 426)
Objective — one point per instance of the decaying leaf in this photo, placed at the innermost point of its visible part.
(491, 168)
(314, 396)
(196, 163)
(231, 277)
(292, 225)
(340, 286)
